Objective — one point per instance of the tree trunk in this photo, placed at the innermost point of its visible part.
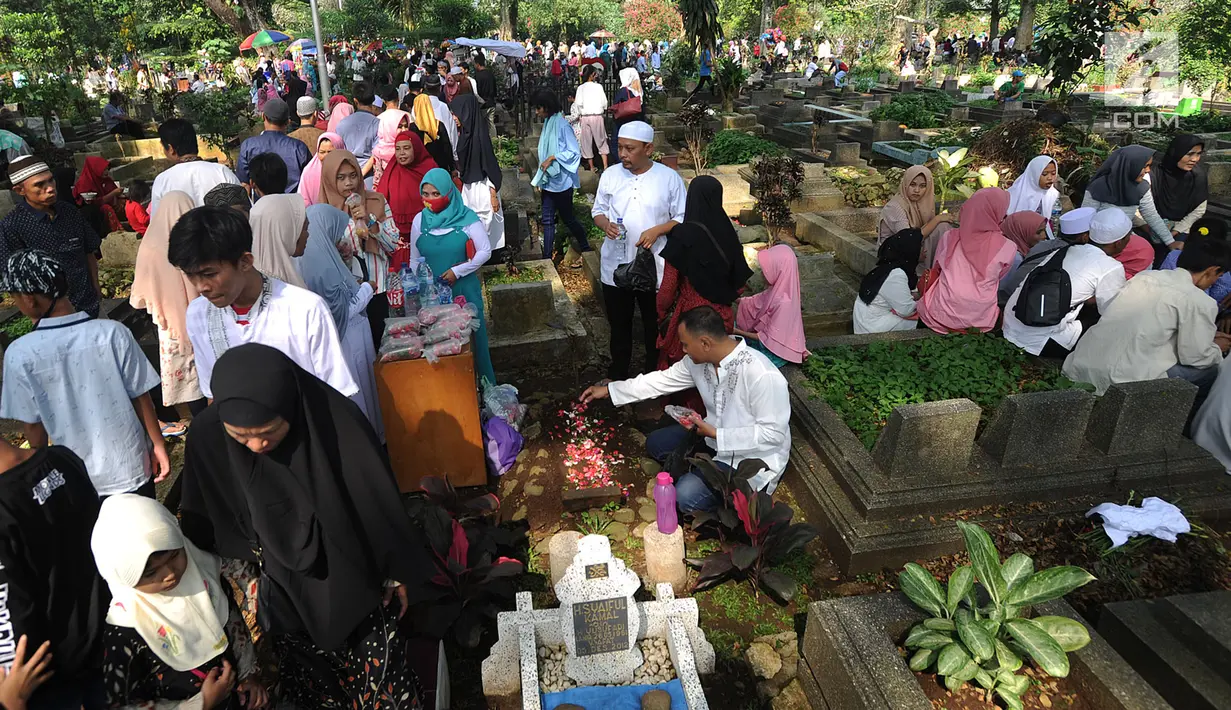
(767, 14)
(226, 14)
(508, 19)
(1025, 25)
(993, 19)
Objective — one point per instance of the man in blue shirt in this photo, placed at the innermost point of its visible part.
(656, 60)
(358, 130)
(275, 140)
(640, 62)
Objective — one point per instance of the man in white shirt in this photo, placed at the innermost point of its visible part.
(748, 409)
(238, 304)
(812, 67)
(190, 173)
(1161, 325)
(638, 202)
(1096, 278)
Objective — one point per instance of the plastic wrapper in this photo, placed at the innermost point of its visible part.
(681, 415)
(450, 327)
(393, 349)
(401, 326)
(501, 401)
(435, 351)
(430, 314)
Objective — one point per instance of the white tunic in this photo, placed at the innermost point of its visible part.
(1092, 274)
(195, 177)
(745, 400)
(291, 319)
(643, 201)
(478, 197)
(889, 310)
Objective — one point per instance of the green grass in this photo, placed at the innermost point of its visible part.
(524, 276)
(726, 644)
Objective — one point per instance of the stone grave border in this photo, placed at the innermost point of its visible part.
(544, 344)
(850, 659)
(881, 507)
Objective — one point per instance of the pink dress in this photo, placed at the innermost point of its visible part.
(961, 299)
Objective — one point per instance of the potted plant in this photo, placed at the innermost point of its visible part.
(985, 637)
(697, 131)
(777, 181)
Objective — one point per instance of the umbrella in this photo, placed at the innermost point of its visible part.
(263, 38)
(603, 34)
(373, 46)
(303, 44)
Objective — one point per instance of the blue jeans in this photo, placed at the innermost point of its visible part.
(692, 493)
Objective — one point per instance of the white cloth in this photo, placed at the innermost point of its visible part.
(643, 201)
(637, 131)
(477, 233)
(288, 318)
(195, 177)
(478, 197)
(184, 626)
(590, 52)
(889, 310)
(1159, 320)
(1025, 195)
(361, 356)
(445, 116)
(1156, 517)
(745, 400)
(1092, 274)
(591, 99)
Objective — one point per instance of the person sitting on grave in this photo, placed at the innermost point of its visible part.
(1161, 325)
(1094, 279)
(1074, 229)
(745, 396)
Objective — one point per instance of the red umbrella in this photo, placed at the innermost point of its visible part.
(373, 46)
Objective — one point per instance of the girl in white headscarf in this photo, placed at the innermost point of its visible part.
(1035, 189)
(172, 632)
(279, 233)
(630, 90)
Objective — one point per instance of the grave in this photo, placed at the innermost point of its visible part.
(599, 635)
(534, 321)
(881, 508)
(850, 660)
(1181, 645)
(828, 288)
(819, 193)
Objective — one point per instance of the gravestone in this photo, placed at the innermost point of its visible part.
(928, 439)
(1140, 416)
(599, 617)
(846, 154)
(1027, 432)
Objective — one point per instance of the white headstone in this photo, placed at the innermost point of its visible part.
(599, 617)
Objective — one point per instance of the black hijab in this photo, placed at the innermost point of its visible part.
(1116, 180)
(1178, 192)
(475, 155)
(715, 267)
(899, 251)
(322, 508)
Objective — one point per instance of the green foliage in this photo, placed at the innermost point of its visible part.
(524, 275)
(219, 115)
(449, 18)
(1206, 122)
(964, 641)
(506, 151)
(696, 118)
(864, 385)
(366, 19)
(593, 523)
(778, 181)
(917, 109)
(730, 76)
(733, 147)
(115, 281)
(1205, 49)
(1072, 38)
(17, 327)
(569, 19)
(983, 103)
(701, 26)
(982, 78)
(60, 96)
(859, 191)
(679, 65)
(739, 17)
(652, 19)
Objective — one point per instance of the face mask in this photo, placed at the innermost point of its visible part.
(438, 204)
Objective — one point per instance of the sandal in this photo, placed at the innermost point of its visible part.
(173, 429)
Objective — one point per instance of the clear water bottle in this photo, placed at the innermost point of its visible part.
(664, 504)
(444, 292)
(1054, 221)
(623, 232)
(410, 291)
(427, 284)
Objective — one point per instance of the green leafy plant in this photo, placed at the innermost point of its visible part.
(864, 385)
(1071, 38)
(734, 147)
(777, 182)
(914, 110)
(593, 523)
(950, 172)
(17, 327)
(679, 64)
(964, 640)
(115, 281)
(506, 151)
(219, 115)
(982, 78)
(983, 103)
(730, 77)
(697, 131)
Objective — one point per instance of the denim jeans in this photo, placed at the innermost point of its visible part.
(692, 493)
(558, 206)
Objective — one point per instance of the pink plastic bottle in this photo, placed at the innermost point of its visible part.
(664, 503)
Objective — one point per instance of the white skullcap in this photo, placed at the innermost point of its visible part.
(305, 106)
(1076, 221)
(1109, 226)
(455, 71)
(637, 131)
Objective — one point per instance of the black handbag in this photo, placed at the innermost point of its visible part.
(640, 274)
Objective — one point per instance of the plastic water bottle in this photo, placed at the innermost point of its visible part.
(444, 292)
(427, 284)
(623, 232)
(410, 291)
(1055, 219)
(664, 504)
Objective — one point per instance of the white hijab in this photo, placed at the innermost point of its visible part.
(631, 80)
(183, 626)
(1025, 195)
(277, 221)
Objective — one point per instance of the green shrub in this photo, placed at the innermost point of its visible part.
(17, 327)
(219, 115)
(506, 151)
(914, 110)
(864, 385)
(982, 78)
(736, 148)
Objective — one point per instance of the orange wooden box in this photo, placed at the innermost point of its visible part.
(432, 425)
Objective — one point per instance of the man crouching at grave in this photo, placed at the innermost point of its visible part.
(748, 409)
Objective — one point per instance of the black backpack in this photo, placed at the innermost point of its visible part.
(1047, 294)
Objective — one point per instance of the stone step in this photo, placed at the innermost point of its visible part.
(1166, 662)
(1203, 622)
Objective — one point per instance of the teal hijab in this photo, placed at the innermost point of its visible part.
(456, 216)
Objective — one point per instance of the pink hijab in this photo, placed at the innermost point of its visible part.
(978, 236)
(776, 315)
(338, 113)
(387, 131)
(310, 178)
(1022, 229)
